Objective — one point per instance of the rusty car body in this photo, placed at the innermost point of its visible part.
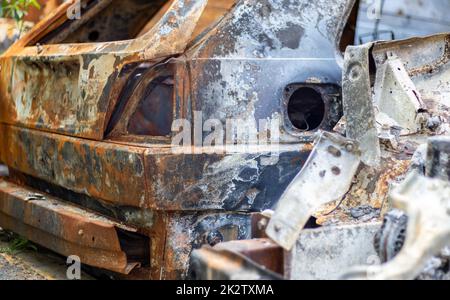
(89, 105)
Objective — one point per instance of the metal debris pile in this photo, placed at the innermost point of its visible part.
(396, 119)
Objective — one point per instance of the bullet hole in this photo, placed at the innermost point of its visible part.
(336, 171)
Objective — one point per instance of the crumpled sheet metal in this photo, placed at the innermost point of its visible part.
(326, 177)
(426, 61)
(397, 97)
(150, 177)
(181, 198)
(67, 88)
(419, 67)
(63, 228)
(359, 111)
(425, 200)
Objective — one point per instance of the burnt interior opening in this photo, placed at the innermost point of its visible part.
(306, 109)
(104, 21)
(95, 21)
(154, 114)
(136, 246)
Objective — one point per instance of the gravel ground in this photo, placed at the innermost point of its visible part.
(13, 269)
(32, 264)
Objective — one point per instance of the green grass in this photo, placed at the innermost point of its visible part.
(17, 9)
(16, 244)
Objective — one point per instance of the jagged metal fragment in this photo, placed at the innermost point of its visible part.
(326, 177)
(358, 107)
(397, 96)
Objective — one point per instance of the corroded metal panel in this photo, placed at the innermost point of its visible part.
(109, 172)
(71, 89)
(150, 178)
(231, 182)
(63, 228)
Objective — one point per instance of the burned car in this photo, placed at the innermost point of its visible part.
(158, 139)
(87, 111)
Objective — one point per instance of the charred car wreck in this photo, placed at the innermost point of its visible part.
(91, 106)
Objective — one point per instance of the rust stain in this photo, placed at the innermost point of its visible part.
(59, 100)
(109, 172)
(63, 228)
(81, 76)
